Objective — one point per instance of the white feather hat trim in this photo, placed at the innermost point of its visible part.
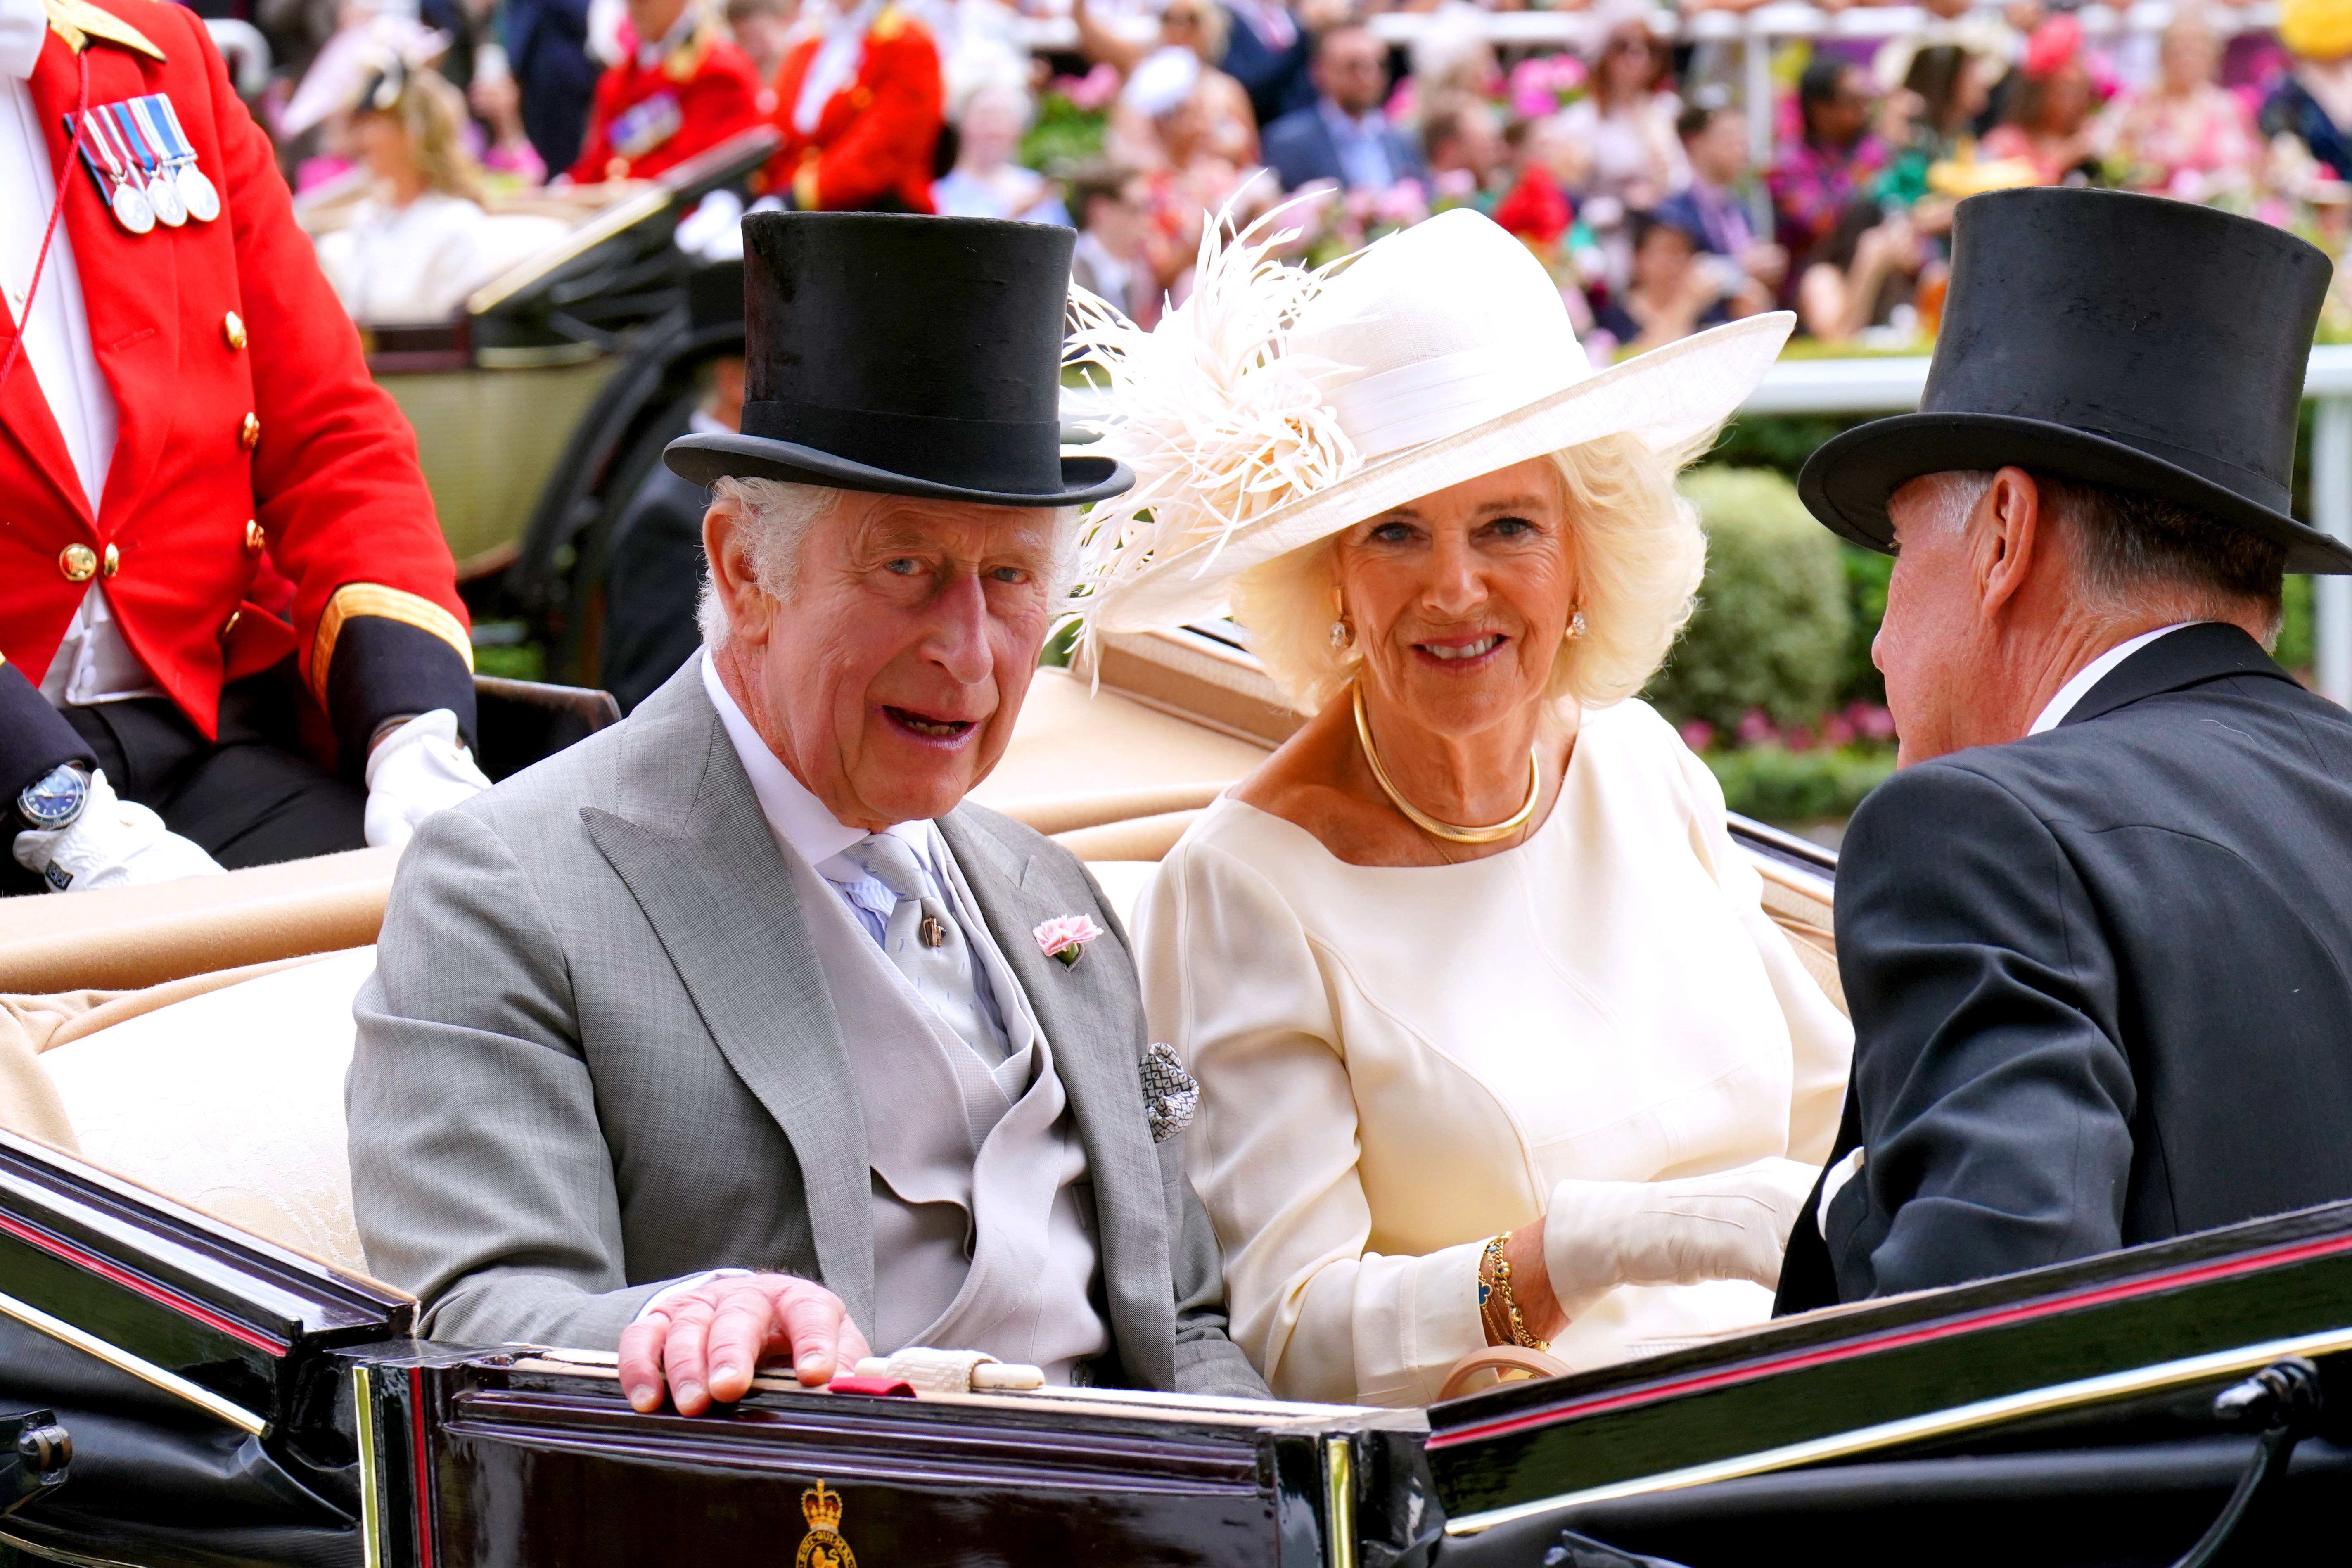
(1278, 406)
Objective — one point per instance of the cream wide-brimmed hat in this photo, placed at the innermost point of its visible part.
(1277, 405)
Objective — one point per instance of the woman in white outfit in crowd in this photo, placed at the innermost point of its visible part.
(1495, 1045)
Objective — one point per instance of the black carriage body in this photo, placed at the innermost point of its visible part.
(535, 1458)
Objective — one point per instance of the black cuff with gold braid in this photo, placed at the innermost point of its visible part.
(383, 653)
(34, 738)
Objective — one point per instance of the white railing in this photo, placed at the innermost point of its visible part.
(1754, 31)
(1893, 385)
(1786, 19)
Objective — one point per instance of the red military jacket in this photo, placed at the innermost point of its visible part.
(647, 119)
(246, 423)
(873, 143)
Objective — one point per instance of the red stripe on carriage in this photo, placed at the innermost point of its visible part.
(424, 1468)
(59, 1247)
(2247, 1263)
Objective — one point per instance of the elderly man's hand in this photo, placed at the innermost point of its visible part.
(708, 1340)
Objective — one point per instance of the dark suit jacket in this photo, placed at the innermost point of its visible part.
(1298, 148)
(653, 577)
(1275, 80)
(2101, 980)
(547, 41)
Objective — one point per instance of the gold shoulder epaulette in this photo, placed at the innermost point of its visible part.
(888, 25)
(79, 21)
(686, 59)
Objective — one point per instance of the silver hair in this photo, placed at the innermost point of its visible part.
(778, 516)
(1952, 496)
(2130, 550)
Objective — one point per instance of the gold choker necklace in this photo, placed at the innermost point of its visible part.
(1429, 823)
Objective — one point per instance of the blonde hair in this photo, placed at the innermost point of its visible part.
(432, 115)
(1638, 554)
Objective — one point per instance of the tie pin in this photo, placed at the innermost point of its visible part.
(932, 933)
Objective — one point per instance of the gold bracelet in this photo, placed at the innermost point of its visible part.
(1498, 1291)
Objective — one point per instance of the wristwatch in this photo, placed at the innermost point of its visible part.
(55, 799)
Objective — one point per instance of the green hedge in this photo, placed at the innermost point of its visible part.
(1776, 784)
(1774, 627)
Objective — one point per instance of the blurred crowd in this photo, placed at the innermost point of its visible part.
(433, 142)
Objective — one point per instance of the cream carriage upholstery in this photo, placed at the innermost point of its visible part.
(192, 1037)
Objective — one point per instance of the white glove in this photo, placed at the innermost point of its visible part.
(112, 844)
(1733, 1225)
(413, 771)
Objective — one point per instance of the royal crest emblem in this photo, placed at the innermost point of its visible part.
(823, 1546)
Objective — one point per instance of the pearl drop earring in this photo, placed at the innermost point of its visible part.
(1576, 624)
(1339, 637)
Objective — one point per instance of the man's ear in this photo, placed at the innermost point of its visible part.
(2006, 536)
(749, 607)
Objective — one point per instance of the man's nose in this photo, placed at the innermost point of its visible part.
(956, 636)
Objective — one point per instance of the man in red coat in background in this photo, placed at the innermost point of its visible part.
(683, 87)
(179, 395)
(860, 107)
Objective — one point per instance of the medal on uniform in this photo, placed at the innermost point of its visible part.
(196, 192)
(161, 193)
(641, 128)
(110, 168)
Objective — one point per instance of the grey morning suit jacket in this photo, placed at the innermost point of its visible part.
(598, 1053)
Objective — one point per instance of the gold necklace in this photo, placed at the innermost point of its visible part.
(1429, 823)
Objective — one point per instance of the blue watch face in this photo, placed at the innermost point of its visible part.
(55, 798)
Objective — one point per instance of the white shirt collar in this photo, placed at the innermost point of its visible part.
(2089, 675)
(24, 24)
(795, 815)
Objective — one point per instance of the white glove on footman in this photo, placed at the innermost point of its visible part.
(1730, 1226)
(413, 771)
(112, 844)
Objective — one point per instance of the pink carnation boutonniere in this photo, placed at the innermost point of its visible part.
(1066, 937)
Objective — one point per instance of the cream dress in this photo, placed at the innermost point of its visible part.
(1398, 1062)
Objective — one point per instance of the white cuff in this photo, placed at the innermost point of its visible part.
(1833, 1181)
(676, 1288)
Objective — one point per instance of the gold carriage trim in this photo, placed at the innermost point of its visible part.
(79, 21)
(392, 603)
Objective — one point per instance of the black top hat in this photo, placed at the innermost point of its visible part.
(915, 356)
(2113, 339)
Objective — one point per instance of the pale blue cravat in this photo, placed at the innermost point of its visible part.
(920, 935)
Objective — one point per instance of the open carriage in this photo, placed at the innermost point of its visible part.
(551, 370)
(182, 1306)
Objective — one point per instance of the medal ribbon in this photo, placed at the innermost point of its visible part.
(180, 145)
(118, 119)
(56, 209)
(97, 154)
(106, 136)
(140, 112)
(156, 111)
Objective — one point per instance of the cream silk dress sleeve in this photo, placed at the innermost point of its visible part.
(1397, 1062)
(1234, 981)
(1820, 1037)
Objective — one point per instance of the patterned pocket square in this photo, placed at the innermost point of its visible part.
(1170, 1095)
